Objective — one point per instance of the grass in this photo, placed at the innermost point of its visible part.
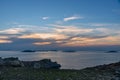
(20, 73)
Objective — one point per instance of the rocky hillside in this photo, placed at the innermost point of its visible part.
(15, 62)
(101, 72)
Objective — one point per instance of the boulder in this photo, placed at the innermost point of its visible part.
(37, 65)
(13, 62)
(46, 63)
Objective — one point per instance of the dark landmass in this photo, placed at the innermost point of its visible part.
(49, 50)
(68, 51)
(112, 51)
(28, 51)
(101, 72)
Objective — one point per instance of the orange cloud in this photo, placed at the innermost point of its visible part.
(44, 36)
(42, 43)
(4, 37)
(12, 31)
(64, 35)
(77, 41)
(5, 41)
(72, 29)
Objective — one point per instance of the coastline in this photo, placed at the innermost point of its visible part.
(74, 60)
(100, 72)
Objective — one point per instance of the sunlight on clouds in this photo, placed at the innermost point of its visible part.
(59, 41)
(77, 41)
(82, 39)
(110, 40)
(73, 43)
(12, 31)
(105, 30)
(42, 43)
(5, 41)
(72, 30)
(44, 36)
(63, 35)
(4, 37)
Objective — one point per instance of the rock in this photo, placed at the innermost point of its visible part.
(117, 71)
(37, 65)
(58, 79)
(46, 63)
(13, 62)
(1, 62)
(116, 78)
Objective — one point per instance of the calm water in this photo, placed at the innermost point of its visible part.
(72, 60)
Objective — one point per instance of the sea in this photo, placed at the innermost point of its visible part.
(68, 60)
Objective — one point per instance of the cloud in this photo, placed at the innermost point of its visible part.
(59, 22)
(72, 30)
(12, 31)
(103, 24)
(5, 41)
(88, 36)
(61, 35)
(44, 36)
(42, 43)
(99, 24)
(4, 37)
(35, 29)
(79, 41)
(72, 18)
(45, 18)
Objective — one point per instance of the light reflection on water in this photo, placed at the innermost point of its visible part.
(72, 60)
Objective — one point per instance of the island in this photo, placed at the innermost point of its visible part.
(68, 51)
(112, 51)
(28, 51)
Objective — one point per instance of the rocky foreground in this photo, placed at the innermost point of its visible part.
(41, 64)
(40, 72)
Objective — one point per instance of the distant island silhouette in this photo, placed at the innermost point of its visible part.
(112, 51)
(28, 51)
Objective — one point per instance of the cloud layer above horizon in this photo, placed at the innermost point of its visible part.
(62, 35)
(59, 24)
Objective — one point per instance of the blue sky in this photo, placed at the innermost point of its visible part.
(59, 23)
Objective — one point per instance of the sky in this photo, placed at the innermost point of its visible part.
(60, 24)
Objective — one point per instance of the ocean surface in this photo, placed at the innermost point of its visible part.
(68, 60)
